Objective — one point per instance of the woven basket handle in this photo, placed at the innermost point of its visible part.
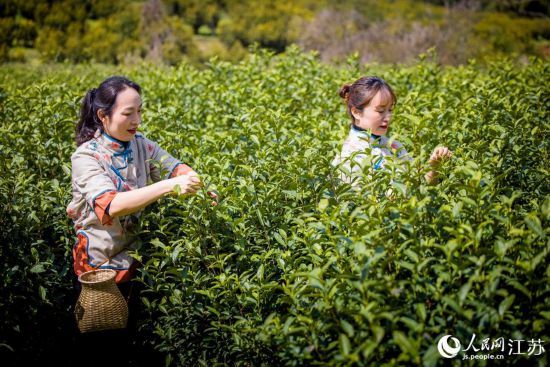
(127, 298)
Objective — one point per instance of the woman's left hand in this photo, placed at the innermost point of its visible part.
(214, 196)
(439, 154)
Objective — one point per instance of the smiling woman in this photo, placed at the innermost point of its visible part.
(369, 102)
(125, 119)
(111, 169)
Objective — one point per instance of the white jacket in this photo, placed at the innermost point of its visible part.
(359, 148)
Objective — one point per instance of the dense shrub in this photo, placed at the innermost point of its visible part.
(293, 267)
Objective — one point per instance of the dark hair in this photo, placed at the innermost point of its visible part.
(102, 98)
(362, 91)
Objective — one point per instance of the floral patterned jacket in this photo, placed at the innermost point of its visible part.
(101, 168)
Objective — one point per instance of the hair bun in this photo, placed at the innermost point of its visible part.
(345, 91)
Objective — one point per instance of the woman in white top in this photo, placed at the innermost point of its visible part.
(370, 101)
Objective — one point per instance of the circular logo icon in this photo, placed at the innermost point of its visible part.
(445, 349)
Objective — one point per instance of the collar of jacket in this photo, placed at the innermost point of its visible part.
(363, 134)
(118, 146)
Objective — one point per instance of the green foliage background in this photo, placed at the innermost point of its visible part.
(293, 267)
(169, 31)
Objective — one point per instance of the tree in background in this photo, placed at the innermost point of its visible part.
(167, 38)
(273, 24)
(401, 30)
(197, 13)
(528, 8)
(169, 31)
(96, 30)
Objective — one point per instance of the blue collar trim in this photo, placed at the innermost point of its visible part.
(124, 144)
(360, 129)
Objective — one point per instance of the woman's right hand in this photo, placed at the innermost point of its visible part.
(188, 184)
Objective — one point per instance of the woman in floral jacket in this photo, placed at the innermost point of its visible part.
(114, 178)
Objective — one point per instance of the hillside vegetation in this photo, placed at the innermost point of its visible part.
(167, 31)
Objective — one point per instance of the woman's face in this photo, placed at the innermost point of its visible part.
(125, 117)
(377, 115)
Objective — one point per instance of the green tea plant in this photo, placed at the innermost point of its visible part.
(294, 267)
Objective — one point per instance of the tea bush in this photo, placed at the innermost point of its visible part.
(294, 267)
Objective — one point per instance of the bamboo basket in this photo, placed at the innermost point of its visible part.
(100, 305)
